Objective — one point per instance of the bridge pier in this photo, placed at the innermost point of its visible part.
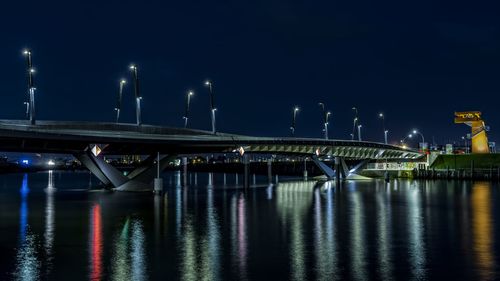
(246, 170)
(337, 169)
(158, 181)
(140, 179)
(184, 170)
(269, 171)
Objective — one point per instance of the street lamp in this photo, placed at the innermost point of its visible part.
(382, 116)
(30, 104)
(403, 144)
(186, 114)
(466, 144)
(326, 116)
(210, 86)
(138, 97)
(355, 122)
(415, 132)
(359, 132)
(119, 99)
(294, 118)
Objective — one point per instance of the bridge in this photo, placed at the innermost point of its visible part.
(80, 138)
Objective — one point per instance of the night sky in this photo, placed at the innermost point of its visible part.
(416, 61)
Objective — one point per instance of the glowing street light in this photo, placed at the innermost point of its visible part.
(294, 119)
(326, 116)
(138, 97)
(186, 114)
(382, 116)
(30, 104)
(404, 139)
(355, 122)
(119, 99)
(416, 132)
(359, 132)
(213, 109)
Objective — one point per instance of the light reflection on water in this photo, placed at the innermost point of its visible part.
(96, 242)
(293, 200)
(416, 233)
(27, 262)
(324, 232)
(482, 229)
(50, 211)
(215, 231)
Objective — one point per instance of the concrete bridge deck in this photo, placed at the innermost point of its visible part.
(73, 137)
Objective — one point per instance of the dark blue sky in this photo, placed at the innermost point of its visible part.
(418, 62)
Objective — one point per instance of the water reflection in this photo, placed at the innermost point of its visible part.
(121, 261)
(188, 252)
(96, 243)
(137, 254)
(210, 242)
(239, 234)
(23, 211)
(27, 264)
(357, 232)
(50, 212)
(482, 229)
(129, 257)
(200, 247)
(384, 232)
(324, 233)
(416, 232)
(293, 199)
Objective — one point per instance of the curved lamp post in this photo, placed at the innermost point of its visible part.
(213, 109)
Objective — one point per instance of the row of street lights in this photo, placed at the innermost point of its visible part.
(213, 109)
(138, 99)
(30, 103)
(356, 126)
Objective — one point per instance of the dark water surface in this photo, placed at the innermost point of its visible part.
(52, 229)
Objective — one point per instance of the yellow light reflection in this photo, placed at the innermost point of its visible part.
(482, 229)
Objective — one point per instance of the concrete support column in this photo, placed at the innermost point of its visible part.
(270, 171)
(305, 168)
(246, 170)
(158, 181)
(184, 170)
(337, 168)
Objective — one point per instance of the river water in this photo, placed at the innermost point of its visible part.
(53, 228)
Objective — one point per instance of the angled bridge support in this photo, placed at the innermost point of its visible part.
(140, 179)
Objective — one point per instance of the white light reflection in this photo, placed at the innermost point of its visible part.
(189, 264)
(416, 235)
(293, 200)
(210, 252)
(137, 254)
(324, 232)
(384, 233)
(50, 212)
(358, 239)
